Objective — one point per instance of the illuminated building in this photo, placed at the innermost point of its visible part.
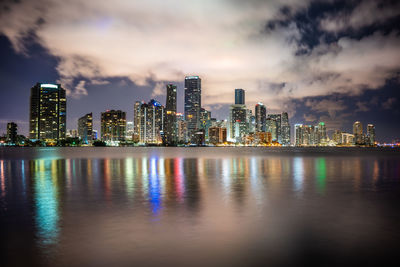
(239, 97)
(322, 137)
(170, 116)
(181, 128)
(285, 129)
(85, 128)
(237, 123)
(347, 139)
(192, 103)
(136, 120)
(47, 112)
(358, 133)
(217, 135)
(130, 129)
(151, 122)
(205, 121)
(261, 116)
(371, 135)
(113, 125)
(95, 136)
(251, 121)
(337, 137)
(274, 126)
(12, 133)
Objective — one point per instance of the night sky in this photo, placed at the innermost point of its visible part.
(331, 61)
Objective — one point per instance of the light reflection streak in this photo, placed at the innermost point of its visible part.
(298, 174)
(129, 176)
(179, 185)
(2, 179)
(154, 187)
(46, 201)
(321, 174)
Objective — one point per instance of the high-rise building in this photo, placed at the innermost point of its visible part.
(322, 136)
(217, 135)
(275, 130)
(205, 121)
(113, 125)
(192, 103)
(261, 116)
(298, 133)
(337, 137)
(358, 133)
(85, 128)
(251, 121)
(130, 130)
(237, 123)
(371, 134)
(181, 128)
(239, 97)
(151, 122)
(47, 112)
(136, 120)
(285, 129)
(170, 116)
(12, 133)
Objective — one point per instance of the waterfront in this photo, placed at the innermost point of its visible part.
(199, 206)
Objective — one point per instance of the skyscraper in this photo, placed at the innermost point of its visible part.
(170, 118)
(237, 123)
(151, 122)
(12, 133)
(85, 128)
(276, 131)
(113, 125)
(261, 116)
(136, 120)
(181, 128)
(192, 103)
(285, 129)
(47, 112)
(371, 134)
(239, 97)
(358, 133)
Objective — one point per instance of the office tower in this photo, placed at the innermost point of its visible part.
(151, 122)
(337, 137)
(261, 116)
(192, 103)
(298, 133)
(271, 127)
(251, 121)
(322, 137)
(285, 129)
(72, 133)
(276, 127)
(47, 112)
(237, 123)
(113, 125)
(358, 133)
(136, 120)
(371, 134)
(181, 128)
(205, 121)
(12, 133)
(130, 130)
(85, 128)
(347, 139)
(239, 97)
(170, 116)
(217, 135)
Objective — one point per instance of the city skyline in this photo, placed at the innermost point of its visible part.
(318, 60)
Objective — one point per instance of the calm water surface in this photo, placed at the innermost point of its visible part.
(199, 207)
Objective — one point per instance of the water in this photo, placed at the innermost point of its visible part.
(199, 207)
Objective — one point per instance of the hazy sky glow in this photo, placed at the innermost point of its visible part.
(315, 59)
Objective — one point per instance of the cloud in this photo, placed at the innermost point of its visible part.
(389, 103)
(225, 42)
(366, 13)
(158, 89)
(309, 117)
(326, 105)
(362, 106)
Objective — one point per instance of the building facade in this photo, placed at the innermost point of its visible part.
(85, 128)
(12, 133)
(239, 97)
(261, 117)
(113, 126)
(170, 131)
(48, 111)
(192, 103)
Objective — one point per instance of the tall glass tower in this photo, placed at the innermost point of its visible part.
(239, 97)
(170, 118)
(192, 103)
(261, 116)
(48, 107)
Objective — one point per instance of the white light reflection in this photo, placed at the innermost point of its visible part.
(298, 174)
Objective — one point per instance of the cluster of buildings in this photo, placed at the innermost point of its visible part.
(158, 124)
